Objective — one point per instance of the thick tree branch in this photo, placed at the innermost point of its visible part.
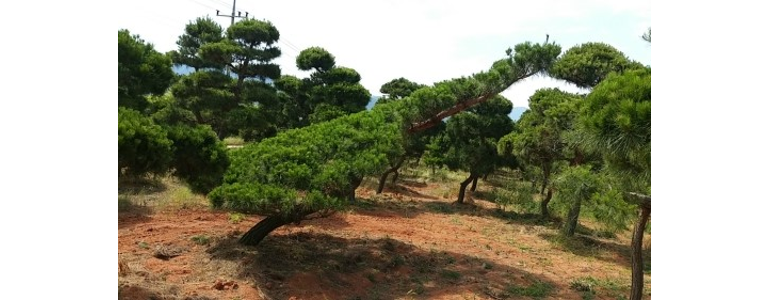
(638, 199)
(460, 106)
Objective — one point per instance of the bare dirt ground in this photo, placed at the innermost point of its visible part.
(411, 242)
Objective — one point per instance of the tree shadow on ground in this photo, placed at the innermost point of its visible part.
(405, 191)
(322, 266)
(130, 214)
(412, 182)
(411, 208)
(588, 246)
(140, 185)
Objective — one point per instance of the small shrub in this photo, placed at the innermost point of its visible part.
(201, 240)
(236, 218)
(449, 274)
(143, 147)
(124, 203)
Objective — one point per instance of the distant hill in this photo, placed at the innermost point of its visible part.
(184, 70)
(372, 101)
(516, 113)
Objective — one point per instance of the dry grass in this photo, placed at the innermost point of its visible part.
(142, 195)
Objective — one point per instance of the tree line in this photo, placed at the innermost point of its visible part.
(311, 141)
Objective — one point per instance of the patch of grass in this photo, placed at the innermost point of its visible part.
(201, 240)
(143, 245)
(449, 274)
(586, 285)
(583, 284)
(397, 260)
(455, 220)
(440, 207)
(236, 218)
(587, 295)
(537, 290)
(234, 141)
(124, 203)
(606, 234)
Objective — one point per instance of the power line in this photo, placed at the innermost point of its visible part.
(203, 4)
(221, 2)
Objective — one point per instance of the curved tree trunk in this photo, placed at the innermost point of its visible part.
(475, 181)
(546, 177)
(463, 185)
(572, 218)
(387, 172)
(383, 178)
(257, 233)
(544, 204)
(637, 262)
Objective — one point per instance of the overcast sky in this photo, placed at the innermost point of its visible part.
(423, 41)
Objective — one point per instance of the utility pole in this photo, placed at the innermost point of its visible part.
(233, 16)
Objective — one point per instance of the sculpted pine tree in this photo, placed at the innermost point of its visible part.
(470, 140)
(331, 91)
(142, 71)
(196, 34)
(246, 51)
(311, 171)
(538, 140)
(617, 121)
(415, 144)
(588, 64)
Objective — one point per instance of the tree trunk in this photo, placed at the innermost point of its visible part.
(463, 185)
(485, 176)
(395, 177)
(544, 204)
(546, 177)
(572, 218)
(354, 184)
(384, 176)
(257, 233)
(578, 159)
(637, 262)
(475, 181)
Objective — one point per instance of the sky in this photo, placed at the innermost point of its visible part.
(423, 41)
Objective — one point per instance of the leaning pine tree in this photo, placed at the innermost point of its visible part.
(312, 171)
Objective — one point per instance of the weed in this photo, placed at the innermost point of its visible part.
(143, 245)
(587, 295)
(201, 240)
(124, 203)
(537, 290)
(449, 274)
(236, 218)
